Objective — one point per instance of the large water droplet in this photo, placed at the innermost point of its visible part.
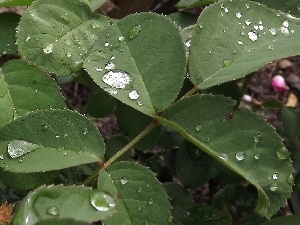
(134, 32)
(240, 156)
(223, 157)
(110, 65)
(48, 49)
(240, 42)
(117, 78)
(198, 127)
(257, 138)
(282, 153)
(85, 130)
(253, 36)
(273, 187)
(133, 94)
(67, 42)
(123, 180)
(53, 211)
(17, 148)
(227, 63)
(102, 201)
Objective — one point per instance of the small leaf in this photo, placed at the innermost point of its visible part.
(234, 38)
(142, 200)
(8, 23)
(138, 60)
(5, 3)
(241, 143)
(58, 35)
(48, 202)
(286, 220)
(65, 137)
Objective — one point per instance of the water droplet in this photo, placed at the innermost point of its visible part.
(65, 18)
(124, 180)
(102, 201)
(17, 148)
(27, 38)
(284, 30)
(134, 32)
(110, 66)
(106, 44)
(240, 42)
(98, 69)
(133, 94)
(273, 31)
(66, 134)
(253, 36)
(140, 103)
(139, 189)
(290, 179)
(45, 128)
(85, 130)
(67, 42)
(69, 54)
(117, 78)
(170, 219)
(188, 43)
(286, 24)
(275, 176)
(1, 157)
(223, 157)
(53, 211)
(271, 47)
(247, 6)
(273, 187)
(227, 63)
(48, 49)
(121, 38)
(113, 58)
(65, 154)
(282, 153)
(238, 15)
(57, 136)
(226, 10)
(95, 25)
(257, 138)
(20, 161)
(151, 201)
(240, 156)
(257, 156)
(247, 22)
(139, 208)
(111, 91)
(198, 127)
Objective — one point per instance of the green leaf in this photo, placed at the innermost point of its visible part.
(142, 200)
(193, 3)
(79, 203)
(95, 4)
(60, 222)
(132, 122)
(235, 38)
(183, 19)
(5, 3)
(65, 137)
(58, 35)
(8, 23)
(241, 143)
(206, 214)
(291, 125)
(140, 61)
(25, 88)
(288, 6)
(286, 220)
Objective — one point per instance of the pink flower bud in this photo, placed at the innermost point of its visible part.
(278, 83)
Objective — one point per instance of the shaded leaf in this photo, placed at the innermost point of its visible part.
(95, 4)
(115, 144)
(143, 70)
(183, 19)
(61, 222)
(193, 3)
(65, 137)
(8, 23)
(142, 200)
(76, 202)
(286, 220)
(58, 35)
(288, 6)
(241, 143)
(235, 38)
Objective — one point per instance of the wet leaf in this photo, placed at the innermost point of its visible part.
(142, 200)
(288, 6)
(66, 137)
(239, 144)
(235, 38)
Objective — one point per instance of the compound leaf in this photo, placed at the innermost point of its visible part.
(235, 38)
(57, 35)
(243, 142)
(142, 199)
(65, 137)
(140, 60)
(49, 202)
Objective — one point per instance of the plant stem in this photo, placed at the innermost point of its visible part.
(190, 92)
(125, 149)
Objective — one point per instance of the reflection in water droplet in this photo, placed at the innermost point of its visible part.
(139, 208)
(198, 127)
(53, 211)
(57, 136)
(257, 138)
(247, 6)
(240, 156)
(48, 49)
(273, 187)
(134, 32)
(110, 66)
(117, 78)
(188, 43)
(227, 63)
(133, 94)
(98, 69)
(102, 201)
(67, 42)
(223, 157)
(282, 153)
(124, 180)
(65, 154)
(271, 47)
(111, 91)
(106, 44)
(17, 148)
(65, 18)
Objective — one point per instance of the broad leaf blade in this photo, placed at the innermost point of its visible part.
(8, 23)
(138, 60)
(235, 38)
(241, 143)
(5, 3)
(57, 35)
(27, 89)
(142, 199)
(65, 137)
(50, 202)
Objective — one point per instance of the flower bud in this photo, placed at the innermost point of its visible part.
(278, 82)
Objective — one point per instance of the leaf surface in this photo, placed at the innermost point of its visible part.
(57, 35)
(286, 220)
(235, 38)
(142, 200)
(65, 137)
(95, 4)
(140, 61)
(53, 202)
(61, 222)
(288, 6)
(5, 3)
(244, 143)
(193, 3)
